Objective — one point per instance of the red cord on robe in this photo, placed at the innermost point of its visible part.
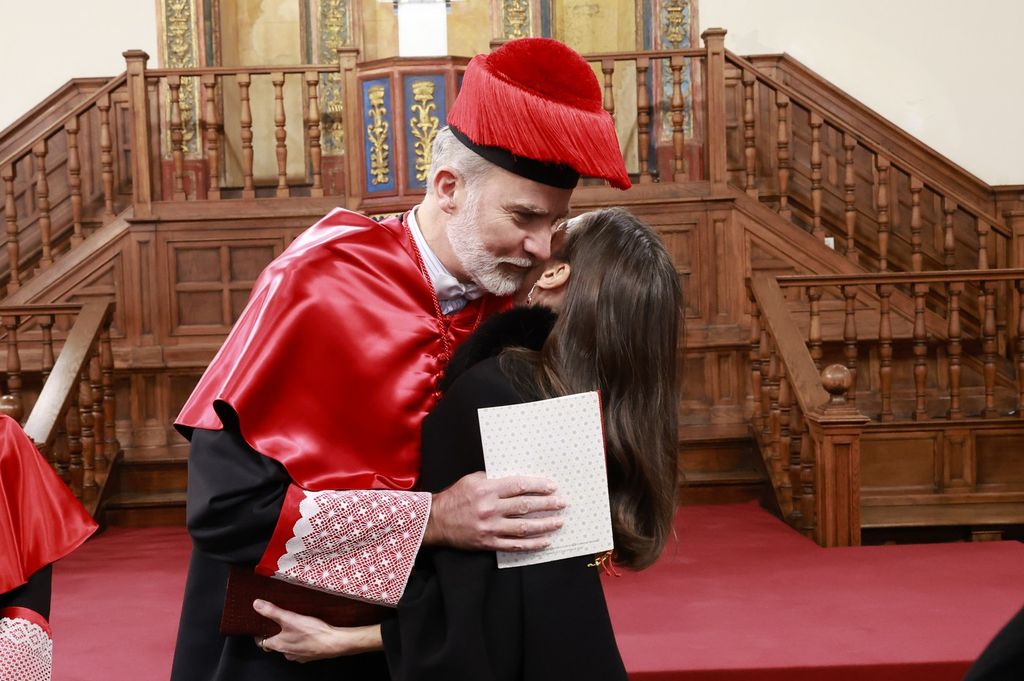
(40, 519)
(336, 358)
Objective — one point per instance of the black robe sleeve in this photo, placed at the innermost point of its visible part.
(235, 496)
(463, 618)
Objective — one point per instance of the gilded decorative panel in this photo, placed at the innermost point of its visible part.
(426, 114)
(334, 30)
(179, 48)
(378, 122)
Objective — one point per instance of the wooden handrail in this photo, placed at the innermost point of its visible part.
(114, 83)
(64, 378)
(869, 143)
(803, 376)
(927, 277)
(198, 71)
(693, 52)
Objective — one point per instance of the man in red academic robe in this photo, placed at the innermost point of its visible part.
(40, 522)
(305, 428)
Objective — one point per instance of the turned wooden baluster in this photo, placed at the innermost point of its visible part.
(882, 165)
(106, 157)
(766, 393)
(643, 117)
(814, 333)
(885, 350)
(248, 187)
(850, 339)
(920, 352)
(1020, 348)
(43, 203)
(177, 138)
(749, 148)
(74, 180)
(73, 426)
(755, 362)
(915, 223)
(277, 78)
(209, 82)
(948, 238)
(793, 465)
(807, 493)
(47, 359)
(781, 462)
(816, 123)
(13, 402)
(313, 132)
(954, 349)
(87, 435)
(96, 386)
(608, 69)
(110, 444)
(850, 197)
(988, 347)
(782, 154)
(11, 218)
(776, 372)
(982, 227)
(678, 118)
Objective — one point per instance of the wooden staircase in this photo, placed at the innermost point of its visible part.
(144, 192)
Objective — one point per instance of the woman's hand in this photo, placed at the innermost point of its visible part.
(303, 639)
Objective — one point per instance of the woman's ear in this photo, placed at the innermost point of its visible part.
(554, 277)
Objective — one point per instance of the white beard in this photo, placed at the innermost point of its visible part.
(481, 265)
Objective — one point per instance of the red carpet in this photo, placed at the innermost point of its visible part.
(740, 597)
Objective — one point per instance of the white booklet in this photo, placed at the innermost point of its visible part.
(560, 439)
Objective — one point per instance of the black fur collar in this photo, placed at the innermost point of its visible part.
(524, 327)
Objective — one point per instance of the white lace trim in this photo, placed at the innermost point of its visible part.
(26, 651)
(359, 543)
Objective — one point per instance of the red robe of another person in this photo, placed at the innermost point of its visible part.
(40, 522)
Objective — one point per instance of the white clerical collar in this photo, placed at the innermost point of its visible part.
(452, 295)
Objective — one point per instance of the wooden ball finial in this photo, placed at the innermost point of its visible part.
(837, 381)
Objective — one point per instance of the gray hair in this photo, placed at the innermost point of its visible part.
(448, 151)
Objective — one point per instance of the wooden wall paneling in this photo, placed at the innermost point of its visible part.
(958, 461)
(998, 459)
(898, 462)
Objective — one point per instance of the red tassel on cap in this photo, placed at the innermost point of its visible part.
(539, 99)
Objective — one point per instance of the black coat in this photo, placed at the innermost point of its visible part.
(462, 618)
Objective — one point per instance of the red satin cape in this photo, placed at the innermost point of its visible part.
(40, 519)
(336, 358)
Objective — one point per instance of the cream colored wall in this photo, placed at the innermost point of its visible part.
(45, 44)
(469, 28)
(947, 71)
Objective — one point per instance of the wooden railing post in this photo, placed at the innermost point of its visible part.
(714, 89)
(643, 117)
(836, 429)
(138, 102)
(13, 405)
(353, 134)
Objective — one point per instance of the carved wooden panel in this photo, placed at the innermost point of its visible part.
(999, 459)
(900, 461)
(212, 281)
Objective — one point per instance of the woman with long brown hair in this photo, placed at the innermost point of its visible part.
(605, 315)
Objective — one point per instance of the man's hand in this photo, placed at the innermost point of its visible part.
(303, 639)
(480, 514)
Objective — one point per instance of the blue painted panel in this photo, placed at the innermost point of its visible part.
(426, 117)
(378, 140)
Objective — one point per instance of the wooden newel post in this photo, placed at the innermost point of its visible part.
(714, 125)
(354, 135)
(835, 429)
(138, 102)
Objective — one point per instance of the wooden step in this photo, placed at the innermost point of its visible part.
(720, 465)
(146, 509)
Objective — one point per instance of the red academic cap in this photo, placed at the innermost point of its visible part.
(533, 107)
